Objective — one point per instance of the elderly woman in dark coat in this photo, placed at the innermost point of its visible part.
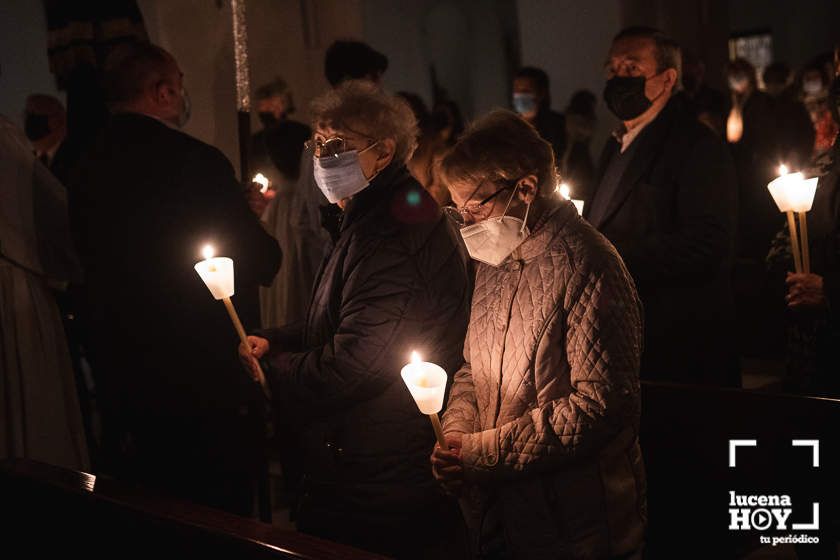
(395, 280)
(543, 417)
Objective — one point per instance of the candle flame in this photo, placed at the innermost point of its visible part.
(564, 191)
(415, 357)
(783, 169)
(208, 251)
(262, 180)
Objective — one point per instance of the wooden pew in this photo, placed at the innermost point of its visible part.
(48, 510)
(685, 442)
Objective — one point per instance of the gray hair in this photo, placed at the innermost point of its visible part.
(360, 106)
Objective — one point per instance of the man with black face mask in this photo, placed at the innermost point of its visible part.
(666, 199)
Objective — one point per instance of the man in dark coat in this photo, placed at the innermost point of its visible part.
(395, 281)
(666, 199)
(176, 413)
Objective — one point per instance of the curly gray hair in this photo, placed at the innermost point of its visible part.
(362, 107)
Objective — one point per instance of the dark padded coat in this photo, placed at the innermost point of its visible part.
(395, 281)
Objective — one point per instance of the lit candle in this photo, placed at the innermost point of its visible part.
(217, 274)
(427, 384)
(566, 193)
(793, 193)
(262, 180)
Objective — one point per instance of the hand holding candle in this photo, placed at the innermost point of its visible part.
(427, 384)
(217, 274)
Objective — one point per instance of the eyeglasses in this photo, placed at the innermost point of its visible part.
(335, 146)
(477, 210)
(330, 147)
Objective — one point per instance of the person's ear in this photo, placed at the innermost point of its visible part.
(164, 94)
(670, 76)
(528, 188)
(385, 154)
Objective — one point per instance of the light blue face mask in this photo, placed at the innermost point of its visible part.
(524, 103)
(340, 176)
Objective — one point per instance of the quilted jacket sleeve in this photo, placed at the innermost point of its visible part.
(381, 286)
(461, 409)
(601, 317)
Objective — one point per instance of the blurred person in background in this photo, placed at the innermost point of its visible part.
(705, 102)
(39, 410)
(431, 144)
(813, 299)
(814, 85)
(276, 149)
(576, 167)
(276, 154)
(532, 101)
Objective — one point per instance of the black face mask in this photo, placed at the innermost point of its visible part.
(267, 119)
(625, 97)
(36, 126)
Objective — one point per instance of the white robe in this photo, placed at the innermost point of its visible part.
(39, 408)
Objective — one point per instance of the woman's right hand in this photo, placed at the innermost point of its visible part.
(249, 355)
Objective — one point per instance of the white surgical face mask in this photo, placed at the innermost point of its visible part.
(491, 241)
(340, 176)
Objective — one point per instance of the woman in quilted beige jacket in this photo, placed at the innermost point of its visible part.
(542, 420)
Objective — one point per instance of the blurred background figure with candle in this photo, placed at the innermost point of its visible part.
(39, 410)
(666, 200)
(813, 326)
(276, 149)
(276, 153)
(176, 414)
(395, 281)
(763, 131)
(543, 416)
(532, 101)
(575, 165)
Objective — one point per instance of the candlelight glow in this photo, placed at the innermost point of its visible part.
(208, 252)
(783, 169)
(262, 180)
(564, 191)
(426, 382)
(792, 192)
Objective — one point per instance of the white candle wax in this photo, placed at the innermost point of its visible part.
(792, 192)
(427, 384)
(217, 273)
